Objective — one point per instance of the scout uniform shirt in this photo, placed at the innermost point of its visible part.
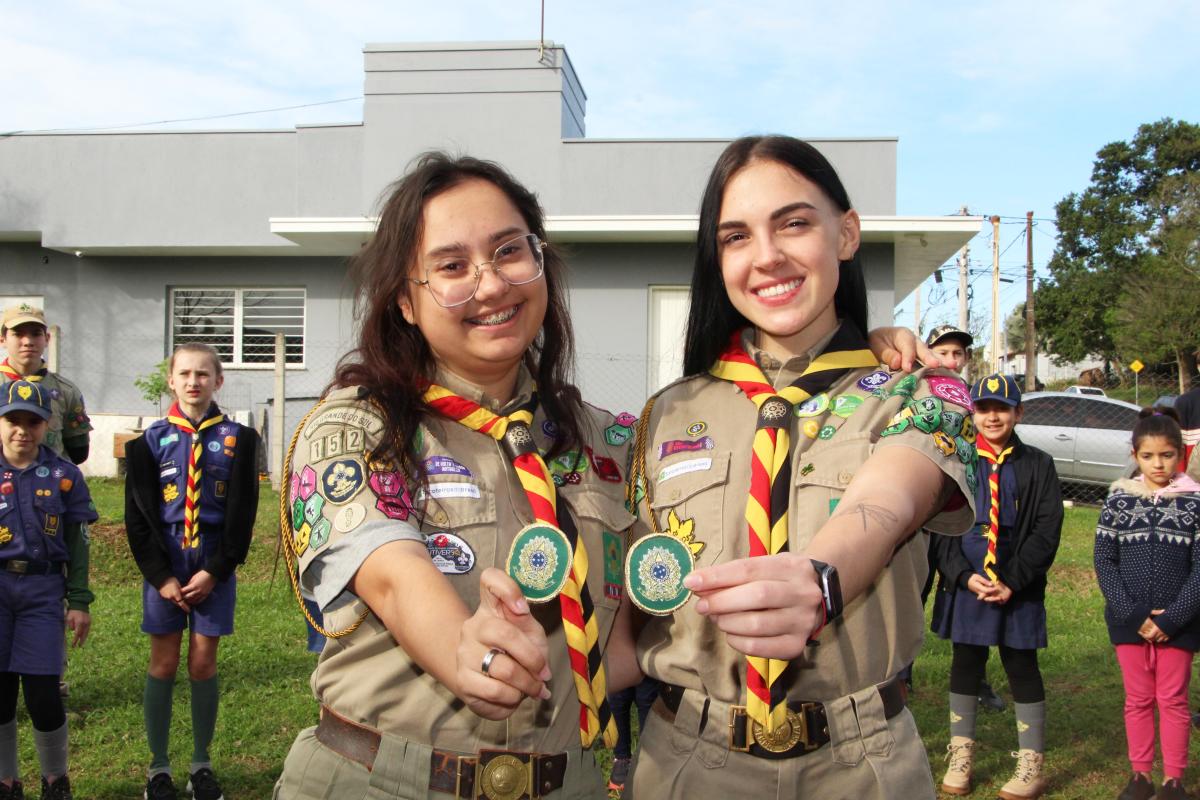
(698, 453)
(346, 504)
(68, 418)
(36, 505)
(170, 448)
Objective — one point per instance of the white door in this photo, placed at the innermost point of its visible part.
(668, 324)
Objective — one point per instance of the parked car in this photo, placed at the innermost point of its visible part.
(1166, 401)
(1092, 390)
(1088, 435)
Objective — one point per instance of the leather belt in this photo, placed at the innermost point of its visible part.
(23, 567)
(486, 775)
(806, 729)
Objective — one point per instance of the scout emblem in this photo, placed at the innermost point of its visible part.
(654, 571)
(683, 530)
(697, 428)
(539, 560)
(952, 390)
(5, 535)
(170, 493)
(617, 435)
(814, 406)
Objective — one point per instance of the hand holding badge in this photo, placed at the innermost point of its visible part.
(539, 560)
(657, 564)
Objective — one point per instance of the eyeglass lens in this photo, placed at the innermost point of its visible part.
(453, 280)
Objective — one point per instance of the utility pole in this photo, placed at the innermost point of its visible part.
(995, 293)
(964, 280)
(1030, 343)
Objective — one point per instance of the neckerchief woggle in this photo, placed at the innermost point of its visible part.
(578, 615)
(191, 499)
(771, 476)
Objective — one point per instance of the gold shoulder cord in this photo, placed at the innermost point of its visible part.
(285, 533)
(637, 471)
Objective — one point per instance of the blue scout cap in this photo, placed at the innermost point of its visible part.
(997, 387)
(24, 396)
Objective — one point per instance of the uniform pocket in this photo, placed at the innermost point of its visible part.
(460, 531)
(821, 476)
(694, 489)
(602, 520)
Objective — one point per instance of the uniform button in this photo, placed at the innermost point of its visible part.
(675, 494)
(845, 476)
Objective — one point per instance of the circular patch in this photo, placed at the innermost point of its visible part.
(343, 479)
(350, 517)
(813, 406)
(214, 447)
(827, 432)
(539, 560)
(450, 553)
(846, 404)
(697, 428)
(874, 380)
(654, 571)
(811, 428)
(42, 472)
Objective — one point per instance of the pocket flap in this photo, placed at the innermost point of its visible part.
(608, 509)
(684, 478)
(834, 465)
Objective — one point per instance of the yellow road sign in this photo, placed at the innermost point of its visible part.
(1137, 366)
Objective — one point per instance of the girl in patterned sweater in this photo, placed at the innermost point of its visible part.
(1148, 563)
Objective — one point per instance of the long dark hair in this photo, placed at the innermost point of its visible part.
(392, 361)
(712, 317)
(1158, 421)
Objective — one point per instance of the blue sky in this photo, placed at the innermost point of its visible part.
(998, 106)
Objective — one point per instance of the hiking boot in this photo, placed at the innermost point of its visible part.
(989, 699)
(14, 792)
(1140, 787)
(961, 755)
(59, 790)
(1027, 782)
(620, 774)
(1172, 789)
(203, 785)
(160, 787)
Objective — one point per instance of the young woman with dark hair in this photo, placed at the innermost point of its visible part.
(788, 462)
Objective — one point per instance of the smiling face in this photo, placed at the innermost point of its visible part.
(1158, 460)
(26, 343)
(484, 339)
(780, 240)
(995, 421)
(20, 434)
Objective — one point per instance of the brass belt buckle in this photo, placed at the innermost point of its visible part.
(506, 777)
(737, 715)
(18, 566)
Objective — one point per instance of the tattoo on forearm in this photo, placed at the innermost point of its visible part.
(878, 515)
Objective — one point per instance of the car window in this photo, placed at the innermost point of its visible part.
(1110, 416)
(1059, 411)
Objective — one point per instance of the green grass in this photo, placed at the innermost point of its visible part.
(265, 701)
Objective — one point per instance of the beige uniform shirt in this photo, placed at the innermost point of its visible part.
(68, 417)
(698, 467)
(468, 516)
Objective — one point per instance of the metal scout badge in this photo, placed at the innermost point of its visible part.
(654, 571)
(539, 560)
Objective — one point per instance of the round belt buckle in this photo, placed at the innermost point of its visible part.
(539, 560)
(654, 571)
(505, 777)
(784, 737)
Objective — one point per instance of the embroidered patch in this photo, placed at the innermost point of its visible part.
(450, 553)
(345, 416)
(171, 472)
(814, 406)
(300, 537)
(927, 414)
(904, 387)
(606, 468)
(684, 531)
(952, 390)
(539, 561)
(168, 439)
(612, 566)
(441, 491)
(874, 380)
(343, 441)
(395, 507)
(214, 446)
(319, 534)
(170, 493)
(639, 493)
(952, 423)
(696, 428)
(568, 468)
(617, 434)
(230, 441)
(42, 472)
(807, 468)
(5, 534)
(833, 504)
(944, 443)
(6, 487)
(683, 468)
(846, 404)
(65, 484)
(444, 465)
(827, 432)
(350, 517)
(811, 428)
(670, 448)
(220, 488)
(313, 508)
(898, 424)
(654, 571)
(58, 472)
(550, 429)
(51, 526)
(343, 480)
(626, 419)
(229, 452)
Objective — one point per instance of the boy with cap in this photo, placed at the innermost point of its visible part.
(951, 345)
(994, 587)
(44, 511)
(23, 329)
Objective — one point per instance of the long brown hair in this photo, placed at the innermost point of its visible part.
(392, 362)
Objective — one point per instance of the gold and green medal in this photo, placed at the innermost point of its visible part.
(539, 560)
(654, 571)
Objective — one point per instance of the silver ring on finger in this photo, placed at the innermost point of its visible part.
(488, 658)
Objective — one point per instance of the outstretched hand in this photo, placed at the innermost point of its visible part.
(899, 348)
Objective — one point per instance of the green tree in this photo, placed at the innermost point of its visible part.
(153, 385)
(1121, 243)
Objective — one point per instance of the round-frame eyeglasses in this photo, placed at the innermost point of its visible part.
(453, 280)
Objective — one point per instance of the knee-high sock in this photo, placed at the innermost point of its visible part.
(52, 750)
(10, 763)
(962, 714)
(156, 708)
(1031, 726)
(205, 700)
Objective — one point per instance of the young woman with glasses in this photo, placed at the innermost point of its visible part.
(450, 452)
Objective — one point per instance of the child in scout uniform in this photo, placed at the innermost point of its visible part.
(779, 483)
(26, 337)
(994, 587)
(191, 495)
(44, 511)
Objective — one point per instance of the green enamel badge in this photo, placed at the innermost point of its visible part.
(539, 560)
(898, 426)
(814, 406)
(617, 435)
(654, 571)
(846, 404)
(906, 386)
(827, 432)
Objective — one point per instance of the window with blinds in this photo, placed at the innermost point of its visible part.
(240, 323)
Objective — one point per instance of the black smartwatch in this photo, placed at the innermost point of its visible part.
(831, 589)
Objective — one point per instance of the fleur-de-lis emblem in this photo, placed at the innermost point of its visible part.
(683, 531)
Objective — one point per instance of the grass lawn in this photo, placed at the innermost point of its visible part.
(264, 672)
